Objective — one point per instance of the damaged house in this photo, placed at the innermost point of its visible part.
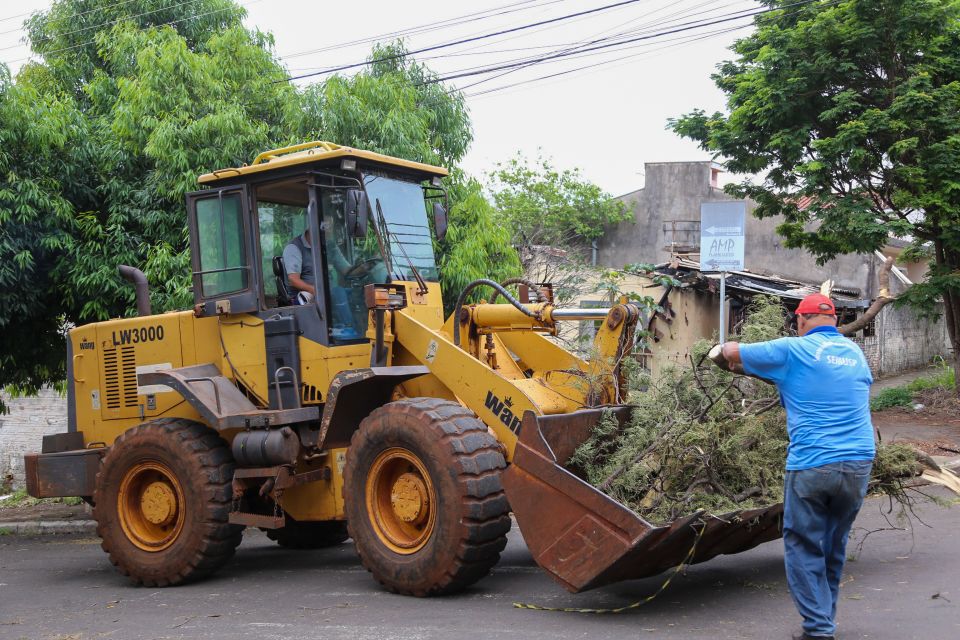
(665, 230)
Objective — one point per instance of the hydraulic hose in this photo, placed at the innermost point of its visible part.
(496, 287)
(533, 287)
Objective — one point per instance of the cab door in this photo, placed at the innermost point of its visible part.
(222, 254)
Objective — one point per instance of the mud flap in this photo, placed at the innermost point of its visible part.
(583, 538)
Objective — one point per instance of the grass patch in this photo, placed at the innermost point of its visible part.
(4, 531)
(942, 379)
(21, 498)
(893, 397)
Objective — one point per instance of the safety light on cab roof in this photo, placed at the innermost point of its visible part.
(348, 165)
(435, 181)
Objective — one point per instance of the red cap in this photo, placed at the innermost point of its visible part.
(816, 303)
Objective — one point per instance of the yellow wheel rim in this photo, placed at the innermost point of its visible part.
(150, 506)
(401, 501)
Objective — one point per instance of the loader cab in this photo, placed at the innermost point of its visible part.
(314, 219)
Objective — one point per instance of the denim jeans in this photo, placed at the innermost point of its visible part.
(819, 507)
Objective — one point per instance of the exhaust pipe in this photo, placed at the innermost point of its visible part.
(139, 281)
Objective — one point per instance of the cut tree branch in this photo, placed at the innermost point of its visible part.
(884, 297)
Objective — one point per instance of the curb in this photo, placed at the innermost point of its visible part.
(52, 527)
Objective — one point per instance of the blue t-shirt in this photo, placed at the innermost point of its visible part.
(824, 383)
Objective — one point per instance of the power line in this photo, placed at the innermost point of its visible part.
(684, 41)
(109, 23)
(681, 41)
(426, 28)
(463, 41)
(682, 13)
(165, 24)
(19, 15)
(69, 17)
(563, 54)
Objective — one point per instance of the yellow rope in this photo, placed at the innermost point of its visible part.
(639, 603)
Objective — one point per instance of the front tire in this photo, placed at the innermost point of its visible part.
(423, 498)
(162, 501)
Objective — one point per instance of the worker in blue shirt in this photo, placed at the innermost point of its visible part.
(824, 384)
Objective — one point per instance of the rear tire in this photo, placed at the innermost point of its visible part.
(162, 500)
(423, 498)
(309, 535)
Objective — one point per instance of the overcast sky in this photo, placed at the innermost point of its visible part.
(608, 119)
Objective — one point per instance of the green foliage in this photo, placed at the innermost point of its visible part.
(853, 104)
(893, 397)
(692, 442)
(475, 247)
(70, 34)
(393, 106)
(20, 498)
(702, 438)
(396, 107)
(542, 205)
(942, 379)
(102, 139)
(894, 462)
(36, 163)
(100, 142)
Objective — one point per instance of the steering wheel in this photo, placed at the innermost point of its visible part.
(361, 269)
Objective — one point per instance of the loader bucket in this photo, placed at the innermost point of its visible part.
(583, 538)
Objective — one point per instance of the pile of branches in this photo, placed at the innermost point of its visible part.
(700, 438)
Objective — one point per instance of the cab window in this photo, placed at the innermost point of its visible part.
(352, 263)
(221, 245)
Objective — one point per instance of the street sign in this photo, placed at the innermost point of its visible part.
(722, 226)
(722, 231)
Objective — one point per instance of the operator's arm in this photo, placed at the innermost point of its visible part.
(297, 283)
(335, 258)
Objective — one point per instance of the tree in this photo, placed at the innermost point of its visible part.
(553, 217)
(544, 206)
(854, 104)
(131, 101)
(103, 138)
(397, 106)
(35, 147)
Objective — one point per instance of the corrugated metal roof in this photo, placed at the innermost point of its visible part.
(755, 283)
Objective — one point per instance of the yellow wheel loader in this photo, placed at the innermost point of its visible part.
(315, 391)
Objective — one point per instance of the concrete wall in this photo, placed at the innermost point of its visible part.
(674, 191)
(903, 341)
(22, 430)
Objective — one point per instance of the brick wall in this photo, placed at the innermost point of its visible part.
(23, 428)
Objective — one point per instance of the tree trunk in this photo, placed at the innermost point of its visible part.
(951, 307)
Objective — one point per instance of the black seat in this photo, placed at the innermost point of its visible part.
(280, 273)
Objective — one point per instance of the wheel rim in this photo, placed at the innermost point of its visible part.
(401, 500)
(150, 505)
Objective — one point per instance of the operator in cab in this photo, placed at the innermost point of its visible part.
(298, 262)
(824, 384)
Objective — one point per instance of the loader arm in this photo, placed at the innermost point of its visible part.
(502, 377)
(543, 402)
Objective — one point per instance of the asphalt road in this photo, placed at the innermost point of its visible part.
(904, 584)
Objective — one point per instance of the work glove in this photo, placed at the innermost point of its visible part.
(716, 355)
